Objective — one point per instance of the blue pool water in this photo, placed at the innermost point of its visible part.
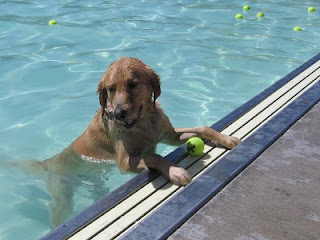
(209, 64)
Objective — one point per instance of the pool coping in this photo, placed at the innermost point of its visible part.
(97, 209)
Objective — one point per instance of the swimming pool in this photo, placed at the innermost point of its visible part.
(209, 64)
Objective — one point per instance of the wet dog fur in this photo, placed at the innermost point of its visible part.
(127, 129)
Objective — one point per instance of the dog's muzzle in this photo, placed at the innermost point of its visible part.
(110, 115)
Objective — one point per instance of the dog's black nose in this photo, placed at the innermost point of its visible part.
(120, 113)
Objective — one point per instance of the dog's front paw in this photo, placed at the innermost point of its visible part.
(179, 176)
(229, 141)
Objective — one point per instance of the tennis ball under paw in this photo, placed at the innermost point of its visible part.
(195, 146)
(52, 22)
(239, 16)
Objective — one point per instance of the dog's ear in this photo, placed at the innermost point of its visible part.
(155, 83)
(153, 78)
(102, 91)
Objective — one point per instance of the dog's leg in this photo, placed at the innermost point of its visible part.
(138, 163)
(176, 175)
(181, 135)
(62, 168)
(58, 186)
(61, 193)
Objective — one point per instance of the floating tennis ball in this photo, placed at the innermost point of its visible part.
(311, 9)
(260, 15)
(239, 16)
(52, 22)
(195, 146)
(246, 8)
(297, 28)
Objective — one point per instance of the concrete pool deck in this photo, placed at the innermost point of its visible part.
(276, 197)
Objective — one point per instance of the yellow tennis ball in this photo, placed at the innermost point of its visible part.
(52, 22)
(260, 15)
(311, 9)
(195, 146)
(297, 28)
(246, 8)
(239, 16)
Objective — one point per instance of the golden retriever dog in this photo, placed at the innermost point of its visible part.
(127, 128)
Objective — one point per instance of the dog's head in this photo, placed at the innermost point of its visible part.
(128, 91)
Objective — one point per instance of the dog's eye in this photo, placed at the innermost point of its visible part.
(132, 85)
(112, 89)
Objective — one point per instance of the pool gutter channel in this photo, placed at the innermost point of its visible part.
(126, 190)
